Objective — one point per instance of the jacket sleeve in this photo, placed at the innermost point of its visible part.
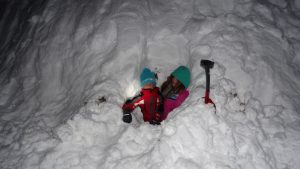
(160, 106)
(170, 104)
(181, 98)
(131, 104)
(166, 87)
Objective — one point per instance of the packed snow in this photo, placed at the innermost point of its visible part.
(59, 57)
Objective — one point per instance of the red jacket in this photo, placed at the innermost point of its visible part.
(149, 101)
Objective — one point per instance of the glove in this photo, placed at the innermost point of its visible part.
(154, 122)
(127, 118)
(157, 117)
(128, 101)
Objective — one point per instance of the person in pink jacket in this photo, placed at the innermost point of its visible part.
(174, 90)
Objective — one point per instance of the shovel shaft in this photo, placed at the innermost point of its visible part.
(206, 97)
(207, 79)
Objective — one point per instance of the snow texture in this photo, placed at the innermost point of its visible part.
(59, 57)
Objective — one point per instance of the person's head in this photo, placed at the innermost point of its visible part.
(147, 78)
(181, 77)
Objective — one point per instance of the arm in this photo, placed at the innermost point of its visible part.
(160, 106)
(159, 110)
(181, 98)
(170, 104)
(166, 87)
(129, 106)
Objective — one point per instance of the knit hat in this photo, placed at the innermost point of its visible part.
(147, 76)
(183, 75)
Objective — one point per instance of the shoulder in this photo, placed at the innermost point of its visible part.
(182, 95)
(144, 91)
(157, 89)
(184, 92)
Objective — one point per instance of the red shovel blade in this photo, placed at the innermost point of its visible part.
(208, 100)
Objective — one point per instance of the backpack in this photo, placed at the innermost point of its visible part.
(149, 101)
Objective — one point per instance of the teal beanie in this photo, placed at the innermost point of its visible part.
(147, 76)
(183, 75)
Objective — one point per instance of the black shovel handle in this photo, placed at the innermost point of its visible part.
(207, 65)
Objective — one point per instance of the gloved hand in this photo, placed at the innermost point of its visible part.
(127, 118)
(154, 122)
(128, 101)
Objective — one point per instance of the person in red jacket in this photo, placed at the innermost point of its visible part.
(149, 100)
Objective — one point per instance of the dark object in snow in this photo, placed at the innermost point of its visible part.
(97, 101)
(207, 64)
(101, 100)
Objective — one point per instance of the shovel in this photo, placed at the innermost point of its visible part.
(207, 65)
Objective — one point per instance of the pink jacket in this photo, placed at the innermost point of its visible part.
(170, 104)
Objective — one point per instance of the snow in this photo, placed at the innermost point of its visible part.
(59, 57)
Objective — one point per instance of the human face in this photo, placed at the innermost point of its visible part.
(175, 82)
